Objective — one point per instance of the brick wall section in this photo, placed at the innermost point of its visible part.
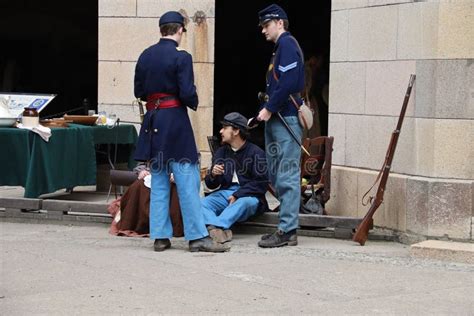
(375, 46)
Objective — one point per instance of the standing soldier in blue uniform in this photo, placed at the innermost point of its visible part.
(285, 79)
(164, 78)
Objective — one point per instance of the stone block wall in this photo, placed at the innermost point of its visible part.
(126, 28)
(375, 46)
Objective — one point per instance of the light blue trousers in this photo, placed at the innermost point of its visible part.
(283, 159)
(219, 213)
(187, 179)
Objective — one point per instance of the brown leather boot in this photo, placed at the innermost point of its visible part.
(219, 235)
(228, 234)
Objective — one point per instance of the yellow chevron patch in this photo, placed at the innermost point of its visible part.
(179, 49)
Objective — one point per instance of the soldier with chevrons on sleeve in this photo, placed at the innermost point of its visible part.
(284, 78)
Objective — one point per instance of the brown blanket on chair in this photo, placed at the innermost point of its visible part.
(131, 212)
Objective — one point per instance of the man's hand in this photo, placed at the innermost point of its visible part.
(264, 115)
(143, 174)
(231, 199)
(217, 170)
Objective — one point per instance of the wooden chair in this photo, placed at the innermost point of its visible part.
(214, 143)
(120, 178)
(316, 168)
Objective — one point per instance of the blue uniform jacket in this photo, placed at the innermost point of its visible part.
(288, 64)
(166, 134)
(250, 165)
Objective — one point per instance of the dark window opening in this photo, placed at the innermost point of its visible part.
(242, 55)
(50, 47)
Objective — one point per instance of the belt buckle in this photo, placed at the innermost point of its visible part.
(157, 104)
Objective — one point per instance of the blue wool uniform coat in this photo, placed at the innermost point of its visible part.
(250, 165)
(166, 134)
(287, 64)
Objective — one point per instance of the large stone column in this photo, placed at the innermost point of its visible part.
(126, 28)
(375, 46)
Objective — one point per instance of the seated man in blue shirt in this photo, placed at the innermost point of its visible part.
(238, 177)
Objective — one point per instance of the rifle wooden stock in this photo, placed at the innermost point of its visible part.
(362, 231)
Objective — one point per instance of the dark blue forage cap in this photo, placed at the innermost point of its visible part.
(272, 12)
(236, 120)
(172, 17)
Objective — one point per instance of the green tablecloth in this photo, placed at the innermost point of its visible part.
(66, 161)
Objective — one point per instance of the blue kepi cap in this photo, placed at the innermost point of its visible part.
(272, 12)
(172, 17)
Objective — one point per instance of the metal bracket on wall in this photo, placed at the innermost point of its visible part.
(199, 17)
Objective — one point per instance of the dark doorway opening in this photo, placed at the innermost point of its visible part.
(50, 47)
(242, 55)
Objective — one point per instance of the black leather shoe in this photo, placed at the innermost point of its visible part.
(161, 244)
(266, 236)
(279, 239)
(206, 244)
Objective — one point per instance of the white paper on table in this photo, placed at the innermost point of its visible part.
(43, 131)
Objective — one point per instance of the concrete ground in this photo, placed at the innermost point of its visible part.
(58, 269)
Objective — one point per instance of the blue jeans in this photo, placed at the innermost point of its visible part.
(187, 179)
(283, 159)
(219, 213)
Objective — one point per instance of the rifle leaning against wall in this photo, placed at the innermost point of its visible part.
(362, 230)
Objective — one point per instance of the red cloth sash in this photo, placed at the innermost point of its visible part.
(162, 101)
